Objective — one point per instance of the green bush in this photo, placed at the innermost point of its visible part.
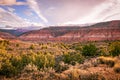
(72, 58)
(114, 49)
(16, 61)
(7, 69)
(89, 50)
(27, 58)
(44, 60)
(76, 46)
(11, 65)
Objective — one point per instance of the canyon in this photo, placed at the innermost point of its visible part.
(97, 32)
(104, 31)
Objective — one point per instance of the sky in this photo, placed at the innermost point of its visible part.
(24, 13)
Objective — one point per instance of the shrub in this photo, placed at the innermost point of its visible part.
(72, 58)
(17, 45)
(104, 51)
(16, 61)
(32, 47)
(25, 60)
(89, 50)
(4, 42)
(114, 49)
(74, 75)
(76, 46)
(107, 60)
(7, 69)
(44, 60)
(78, 74)
(92, 76)
(61, 66)
(117, 67)
(44, 47)
(30, 68)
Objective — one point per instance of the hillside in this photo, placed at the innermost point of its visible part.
(4, 35)
(98, 32)
(59, 61)
(15, 32)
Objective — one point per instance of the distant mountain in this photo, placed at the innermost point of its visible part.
(13, 32)
(19, 31)
(97, 32)
(4, 35)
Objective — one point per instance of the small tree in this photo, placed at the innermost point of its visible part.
(89, 50)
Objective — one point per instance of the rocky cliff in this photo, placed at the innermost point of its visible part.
(97, 32)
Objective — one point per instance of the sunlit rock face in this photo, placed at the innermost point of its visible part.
(98, 32)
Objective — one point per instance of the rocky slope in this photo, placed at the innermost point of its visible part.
(98, 32)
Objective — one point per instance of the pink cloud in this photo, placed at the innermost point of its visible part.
(11, 2)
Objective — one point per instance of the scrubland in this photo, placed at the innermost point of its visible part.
(59, 61)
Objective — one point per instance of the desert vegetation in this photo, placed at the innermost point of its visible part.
(59, 61)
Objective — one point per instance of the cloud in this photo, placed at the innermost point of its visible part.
(78, 11)
(106, 11)
(61, 11)
(34, 6)
(10, 9)
(112, 11)
(10, 19)
(11, 2)
(54, 12)
(28, 12)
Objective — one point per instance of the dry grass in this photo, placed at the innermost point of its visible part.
(110, 61)
(79, 74)
(117, 67)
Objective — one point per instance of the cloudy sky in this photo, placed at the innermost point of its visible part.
(23, 13)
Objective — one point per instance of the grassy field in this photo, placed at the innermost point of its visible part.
(59, 61)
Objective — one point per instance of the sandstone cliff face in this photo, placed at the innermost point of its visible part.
(36, 35)
(98, 32)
